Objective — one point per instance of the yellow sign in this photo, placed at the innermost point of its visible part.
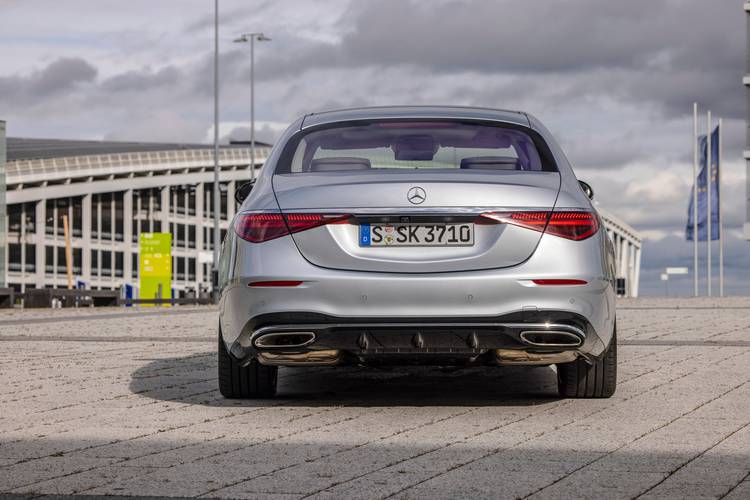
(155, 265)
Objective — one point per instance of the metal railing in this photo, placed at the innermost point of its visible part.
(20, 171)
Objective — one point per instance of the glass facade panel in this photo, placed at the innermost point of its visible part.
(30, 215)
(106, 220)
(61, 265)
(119, 264)
(223, 201)
(14, 218)
(156, 199)
(77, 222)
(191, 236)
(180, 268)
(119, 216)
(106, 263)
(191, 200)
(49, 210)
(178, 199)
(94, 216)
(191, 269)
(49, 259)
(180, 235)
(14, 257)
(77, 261)
(30, 258)
(208, 197)
(62, 210)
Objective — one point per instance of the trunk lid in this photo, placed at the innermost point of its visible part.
(448, 197)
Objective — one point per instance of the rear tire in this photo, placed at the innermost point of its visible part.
(582, 380)
(251, 381)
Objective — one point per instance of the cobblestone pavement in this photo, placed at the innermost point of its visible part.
(124, 402)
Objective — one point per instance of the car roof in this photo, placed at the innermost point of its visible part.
(386, 112)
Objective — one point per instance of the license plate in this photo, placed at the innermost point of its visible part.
(416, 235)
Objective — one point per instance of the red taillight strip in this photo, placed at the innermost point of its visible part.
(573, 225)
(260, 227)
(274, 283)
(559, 282)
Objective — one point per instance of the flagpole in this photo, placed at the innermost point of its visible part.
(721, 215)
(709, 207)
(695, 199)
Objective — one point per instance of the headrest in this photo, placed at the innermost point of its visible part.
(491, 163)
(339, 163)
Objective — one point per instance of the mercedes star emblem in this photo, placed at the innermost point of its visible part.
(416, 195)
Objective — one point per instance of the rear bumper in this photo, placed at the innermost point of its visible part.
(445, 308)
(530, 337)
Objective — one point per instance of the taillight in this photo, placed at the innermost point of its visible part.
(257, 228)
(573, 225)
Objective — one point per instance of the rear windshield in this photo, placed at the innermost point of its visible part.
(417, 145)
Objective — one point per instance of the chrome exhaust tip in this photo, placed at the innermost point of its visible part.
(327, 357)
(284, 340)
(550, 338)
(520, 357)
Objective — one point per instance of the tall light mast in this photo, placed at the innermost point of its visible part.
(746, 81)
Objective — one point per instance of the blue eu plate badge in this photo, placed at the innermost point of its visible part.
(364, 235)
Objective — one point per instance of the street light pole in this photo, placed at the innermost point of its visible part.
(244, 38)
(216, 194)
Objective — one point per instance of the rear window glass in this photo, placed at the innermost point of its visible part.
(418, 145)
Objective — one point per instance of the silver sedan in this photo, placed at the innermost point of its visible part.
(417, 235)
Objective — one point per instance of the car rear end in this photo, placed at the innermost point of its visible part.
(400, 237)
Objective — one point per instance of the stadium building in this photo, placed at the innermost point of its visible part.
(113, 191)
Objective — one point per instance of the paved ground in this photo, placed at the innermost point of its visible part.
(121, 402)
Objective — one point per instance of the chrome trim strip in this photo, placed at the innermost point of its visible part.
(519, 327)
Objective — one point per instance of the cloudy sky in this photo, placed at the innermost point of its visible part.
(615, 81)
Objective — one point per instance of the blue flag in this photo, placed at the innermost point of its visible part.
(703, 192)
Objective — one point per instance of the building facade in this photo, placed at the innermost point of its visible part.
(627, 242)
(111, 192)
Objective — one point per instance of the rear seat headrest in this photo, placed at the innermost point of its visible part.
(491, 163)
(339, 163)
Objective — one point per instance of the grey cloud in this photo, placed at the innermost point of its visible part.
(226, 16)
(514, 36)
(141, 80)
(629, 51)
(61, 75)
(57, 77)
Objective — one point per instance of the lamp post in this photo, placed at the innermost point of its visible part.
(244, 38)
(216, 194)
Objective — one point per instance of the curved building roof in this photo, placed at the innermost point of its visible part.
(20, 148)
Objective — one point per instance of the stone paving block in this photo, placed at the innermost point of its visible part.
(83, 481)
(481, 484)
(591, 484)
(687, 490)
(22, 474)
(740, 491)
